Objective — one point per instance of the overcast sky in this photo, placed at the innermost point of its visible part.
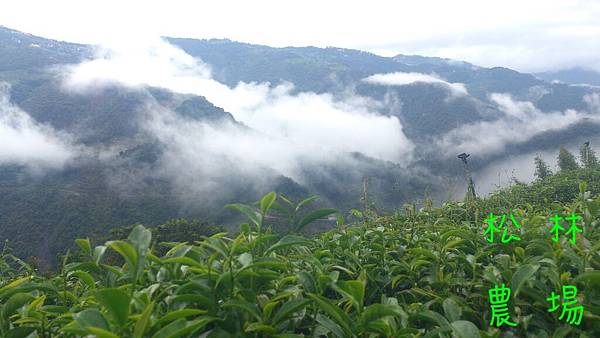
(525, 35)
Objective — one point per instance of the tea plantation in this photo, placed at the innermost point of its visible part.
(423, 272)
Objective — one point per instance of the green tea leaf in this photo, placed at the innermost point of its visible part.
(313, 216)
(523, 274)
(288, 309)
(91, 318)
(116, 301)
(142, 323)
(465, 329)
(267, 201)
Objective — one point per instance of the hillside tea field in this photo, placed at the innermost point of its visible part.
(428, 272)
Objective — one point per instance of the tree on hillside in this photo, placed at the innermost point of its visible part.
(588, 156)
(566, 160)
(542, 170)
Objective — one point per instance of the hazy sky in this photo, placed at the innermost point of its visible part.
(525, 35)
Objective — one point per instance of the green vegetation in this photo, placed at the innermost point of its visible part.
(423, 273)
(588, 156)
(542, 170)
(173, 231)
(566, 160)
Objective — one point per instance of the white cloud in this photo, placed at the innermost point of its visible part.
(402, 79)
(288, 128)
(521, 122)
(27, 142)
(593, 102)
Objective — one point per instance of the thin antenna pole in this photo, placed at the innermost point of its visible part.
(471, 185)
(366, 192)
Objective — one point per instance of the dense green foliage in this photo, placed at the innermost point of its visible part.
(566, 160)
(426, 272)
(174, 230)
(542, 170)
(587, 156)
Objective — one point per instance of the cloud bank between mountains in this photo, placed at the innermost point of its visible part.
(28, 143)
(294, 127)
(282, 131)
(520, 122)
(287, 129)
(402, 79)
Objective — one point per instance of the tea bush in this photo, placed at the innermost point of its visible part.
(422, 273)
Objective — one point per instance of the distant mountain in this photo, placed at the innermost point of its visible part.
(575, 76)
(416, 60)
(334, 69)
(426, 112)
(21, 52)
(308, 68)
